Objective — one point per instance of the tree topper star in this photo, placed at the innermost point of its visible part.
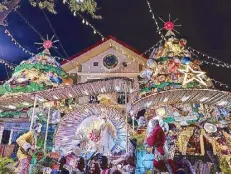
(191, 75)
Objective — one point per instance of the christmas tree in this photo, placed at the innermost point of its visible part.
(172, 66)
(40, 72)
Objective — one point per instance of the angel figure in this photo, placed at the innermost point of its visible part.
(107, 138)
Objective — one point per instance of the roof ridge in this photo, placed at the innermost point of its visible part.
(99, 43)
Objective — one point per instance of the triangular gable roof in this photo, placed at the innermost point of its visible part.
(100, 47)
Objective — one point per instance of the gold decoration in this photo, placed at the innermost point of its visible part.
(183, 140)
(67, 81)
(191, 75)
(202, 144)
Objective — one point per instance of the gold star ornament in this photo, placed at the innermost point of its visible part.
(191, 75)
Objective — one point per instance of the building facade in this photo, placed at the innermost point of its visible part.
(109, 58)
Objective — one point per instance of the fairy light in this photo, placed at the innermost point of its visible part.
(155, 20)
(7, 64)
(122, 51)
(95, 31)
(215, 64)
(16, 43)
(151, 48)
(227, 65)
(219, 83)
(86, 22)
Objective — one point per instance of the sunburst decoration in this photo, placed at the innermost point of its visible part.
(47, 43)
(170, 25)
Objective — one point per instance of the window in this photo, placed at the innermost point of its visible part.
(93, 99)
(110, 61)
(121, 98)
(95, 64)
(124, 64)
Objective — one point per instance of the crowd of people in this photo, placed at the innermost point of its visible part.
(98, 164)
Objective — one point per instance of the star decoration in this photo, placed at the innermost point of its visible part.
(192, 75)
(47, 43)
(169, 25)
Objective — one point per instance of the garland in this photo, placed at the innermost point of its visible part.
(159, 86)
(31, 87)
(169, 120)
(10, 114)
(42, 67)
(162, 59)
(165, 84)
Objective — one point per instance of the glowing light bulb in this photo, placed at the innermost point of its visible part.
(55, 97)
(185, 98)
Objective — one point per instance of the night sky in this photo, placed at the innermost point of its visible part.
(205, 24)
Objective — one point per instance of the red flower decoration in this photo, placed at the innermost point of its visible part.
(173, 65)
(182, 42)
(93, 136)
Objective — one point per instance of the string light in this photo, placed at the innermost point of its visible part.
(55, 33)
(84, 21)
(130, 56)
(220, 84)
(121, 50)
(38, 33)
(7, 64)
(150, 49)
(226, 65)
(59, 58)
(215, 64)
(155, 20)
(16, 43)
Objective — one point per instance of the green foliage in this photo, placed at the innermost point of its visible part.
(47, 4)
(88, 6)
(32, 87)
(42, 67)
(6, 165)
(10, 114)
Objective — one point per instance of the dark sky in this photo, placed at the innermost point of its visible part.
(206, 24)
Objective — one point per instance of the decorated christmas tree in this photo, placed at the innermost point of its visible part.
(40, 72)
(172, 66)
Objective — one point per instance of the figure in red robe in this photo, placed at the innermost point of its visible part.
(156, 139)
